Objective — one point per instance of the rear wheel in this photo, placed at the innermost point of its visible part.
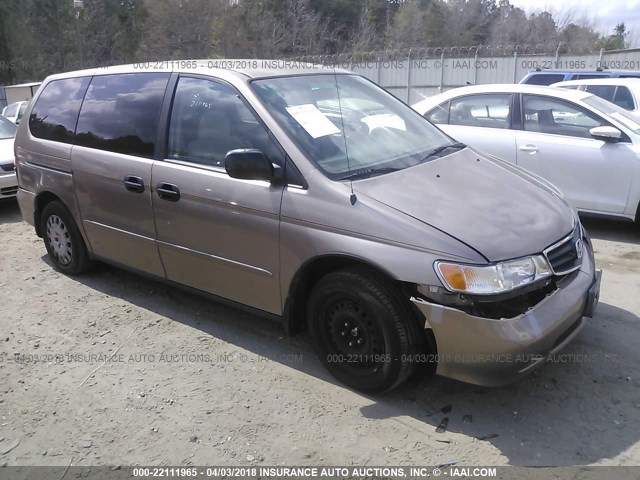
(63, 240)
(362, 330)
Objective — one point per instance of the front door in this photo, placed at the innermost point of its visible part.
(216, 233)
(556, 144)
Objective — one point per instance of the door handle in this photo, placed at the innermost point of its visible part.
(133, 184)
(168, 191)
(528, 148)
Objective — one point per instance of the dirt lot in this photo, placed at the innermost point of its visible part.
(197, 383)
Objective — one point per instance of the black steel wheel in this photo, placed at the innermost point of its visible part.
(363, 330)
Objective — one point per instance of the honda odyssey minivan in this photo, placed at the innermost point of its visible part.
(315, 197)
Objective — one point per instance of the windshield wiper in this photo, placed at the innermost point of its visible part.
(370, 172)
(439, 150)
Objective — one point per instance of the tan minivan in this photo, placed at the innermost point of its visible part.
(315, 197)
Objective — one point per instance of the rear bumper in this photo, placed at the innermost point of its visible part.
(493, 352)
(27, 204)
(8, 184)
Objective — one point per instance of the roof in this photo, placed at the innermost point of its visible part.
(248, 68)
(629, 82)
(581, 71)
(24, 85)
(426, 104)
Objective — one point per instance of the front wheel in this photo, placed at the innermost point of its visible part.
(63, 240)
(362, 330)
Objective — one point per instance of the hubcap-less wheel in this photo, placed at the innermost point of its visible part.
(355, 337)
(363, 329)
(59, 239)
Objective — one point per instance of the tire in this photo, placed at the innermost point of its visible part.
(63, 240)
(363, 330)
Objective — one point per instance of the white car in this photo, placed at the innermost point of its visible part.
(8, 180)
(624, 92)
(14, 111)
(587, 147)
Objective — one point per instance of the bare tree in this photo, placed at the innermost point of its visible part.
(408, 27)
(179, 29)
(365, 36)
(306, 31)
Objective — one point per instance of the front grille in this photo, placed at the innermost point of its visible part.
(8, 167)
(8, 191)
(566, 255)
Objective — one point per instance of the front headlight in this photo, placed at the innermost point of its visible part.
(491, 279)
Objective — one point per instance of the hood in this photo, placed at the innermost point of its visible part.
(6, 151)
(478, 201)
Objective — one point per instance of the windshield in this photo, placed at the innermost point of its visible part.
(360, 129)
(625, 117)
(7, 128)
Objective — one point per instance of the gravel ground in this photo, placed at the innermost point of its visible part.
(194, 382)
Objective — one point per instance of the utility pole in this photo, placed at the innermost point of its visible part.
(77, 6)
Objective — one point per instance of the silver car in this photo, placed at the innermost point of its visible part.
(8, 181)
(315, 197)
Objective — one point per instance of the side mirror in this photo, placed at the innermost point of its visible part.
(607, 134)
(248, 164)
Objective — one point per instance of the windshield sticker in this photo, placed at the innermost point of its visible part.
(312, 120)
(627, 122)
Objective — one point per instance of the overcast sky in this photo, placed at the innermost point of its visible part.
(605, 14)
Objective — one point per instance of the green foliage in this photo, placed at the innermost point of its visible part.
(40, 37)
(615, 41)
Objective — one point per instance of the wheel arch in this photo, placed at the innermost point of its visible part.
(42, 199)
(317, 267)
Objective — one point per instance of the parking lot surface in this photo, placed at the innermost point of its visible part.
(113, 369)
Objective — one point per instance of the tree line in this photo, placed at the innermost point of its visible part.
(39, 37)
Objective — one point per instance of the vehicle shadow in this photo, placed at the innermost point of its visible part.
(578, 409)
(9, 211)
(612, 230)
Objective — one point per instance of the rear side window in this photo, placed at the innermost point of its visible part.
(438, 115)
(624, 99)
(55, 113)
(602, 91)
(120, 113)
(489, 111)
(587, 76)
(544, 79)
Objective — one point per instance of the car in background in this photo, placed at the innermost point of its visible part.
(8, 180)
(14, 111)
(624, 92)
(547, 77)
(587, 147)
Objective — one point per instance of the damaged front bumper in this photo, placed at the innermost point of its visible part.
(492, 352)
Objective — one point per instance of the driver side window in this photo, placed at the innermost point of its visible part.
(209, 119)
(557, 117)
